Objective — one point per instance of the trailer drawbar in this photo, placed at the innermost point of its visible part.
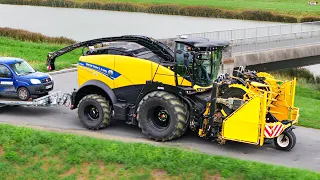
(50, 100)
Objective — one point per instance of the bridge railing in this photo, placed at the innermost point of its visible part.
(263, 31)
(268, 37)
(247, 45)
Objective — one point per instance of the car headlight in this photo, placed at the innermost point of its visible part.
(35, 81)
(50, 77)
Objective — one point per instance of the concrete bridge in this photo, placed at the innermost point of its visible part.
(269, 48)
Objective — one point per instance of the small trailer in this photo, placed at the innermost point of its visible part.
(50, 100)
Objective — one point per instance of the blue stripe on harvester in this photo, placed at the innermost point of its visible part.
(106, 71)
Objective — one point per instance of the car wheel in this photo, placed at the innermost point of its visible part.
(23, 93)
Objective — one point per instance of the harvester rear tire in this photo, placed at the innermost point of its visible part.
(94, 112)
(162, 116)
(187, 126)
(290, 141)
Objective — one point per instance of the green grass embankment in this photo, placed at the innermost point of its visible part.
(262, 10)
(291, 7)
(36, 53)
(24, 35)
(308, 101)
(34, 48)
(31, 154)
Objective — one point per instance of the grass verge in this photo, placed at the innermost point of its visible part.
(291, 7)
(23, 35)
(267, 10)
(308, 100)
(31, 154)
(36, 53)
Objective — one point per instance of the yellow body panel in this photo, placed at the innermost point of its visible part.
(244, 124)
(86, 73)
(281, 98)
(162, 74)
(130, 70)
(183, 82)
(133, 71)
(285, 102)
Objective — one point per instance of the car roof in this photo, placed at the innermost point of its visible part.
(10, 60)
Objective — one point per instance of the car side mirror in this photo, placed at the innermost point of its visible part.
(9, 75)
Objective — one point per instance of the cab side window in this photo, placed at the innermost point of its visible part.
(4, 71)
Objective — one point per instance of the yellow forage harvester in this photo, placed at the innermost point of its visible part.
(164, 92)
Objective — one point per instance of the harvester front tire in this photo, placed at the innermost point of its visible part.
(286, 141)
(162, 116)
(94, 112)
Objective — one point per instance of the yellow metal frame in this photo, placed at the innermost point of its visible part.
(246, 124)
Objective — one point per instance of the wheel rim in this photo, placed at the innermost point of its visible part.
(283, 141)
(91, 112)
(23, 94)
(159, 118)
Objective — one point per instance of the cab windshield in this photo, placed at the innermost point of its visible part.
(22, 68)
(199, 67)
(203, 69)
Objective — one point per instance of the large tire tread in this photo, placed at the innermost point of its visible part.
(179, 108)
(106, 111)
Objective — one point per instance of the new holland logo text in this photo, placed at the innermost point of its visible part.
(108, 72)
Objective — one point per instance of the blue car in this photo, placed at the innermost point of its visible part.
(19, 79)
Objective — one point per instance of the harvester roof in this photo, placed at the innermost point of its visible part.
(201, 42)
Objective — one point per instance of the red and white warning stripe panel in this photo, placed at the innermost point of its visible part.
(273, 130)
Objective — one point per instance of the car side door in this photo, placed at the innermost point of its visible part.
(6, 80)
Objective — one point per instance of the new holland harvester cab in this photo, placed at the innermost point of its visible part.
(142, 81)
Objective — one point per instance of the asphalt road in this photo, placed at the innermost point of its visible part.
(306, 153)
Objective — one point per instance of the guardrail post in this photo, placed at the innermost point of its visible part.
(241, 45)
(282, 40)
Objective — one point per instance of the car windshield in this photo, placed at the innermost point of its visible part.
(22, 68)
